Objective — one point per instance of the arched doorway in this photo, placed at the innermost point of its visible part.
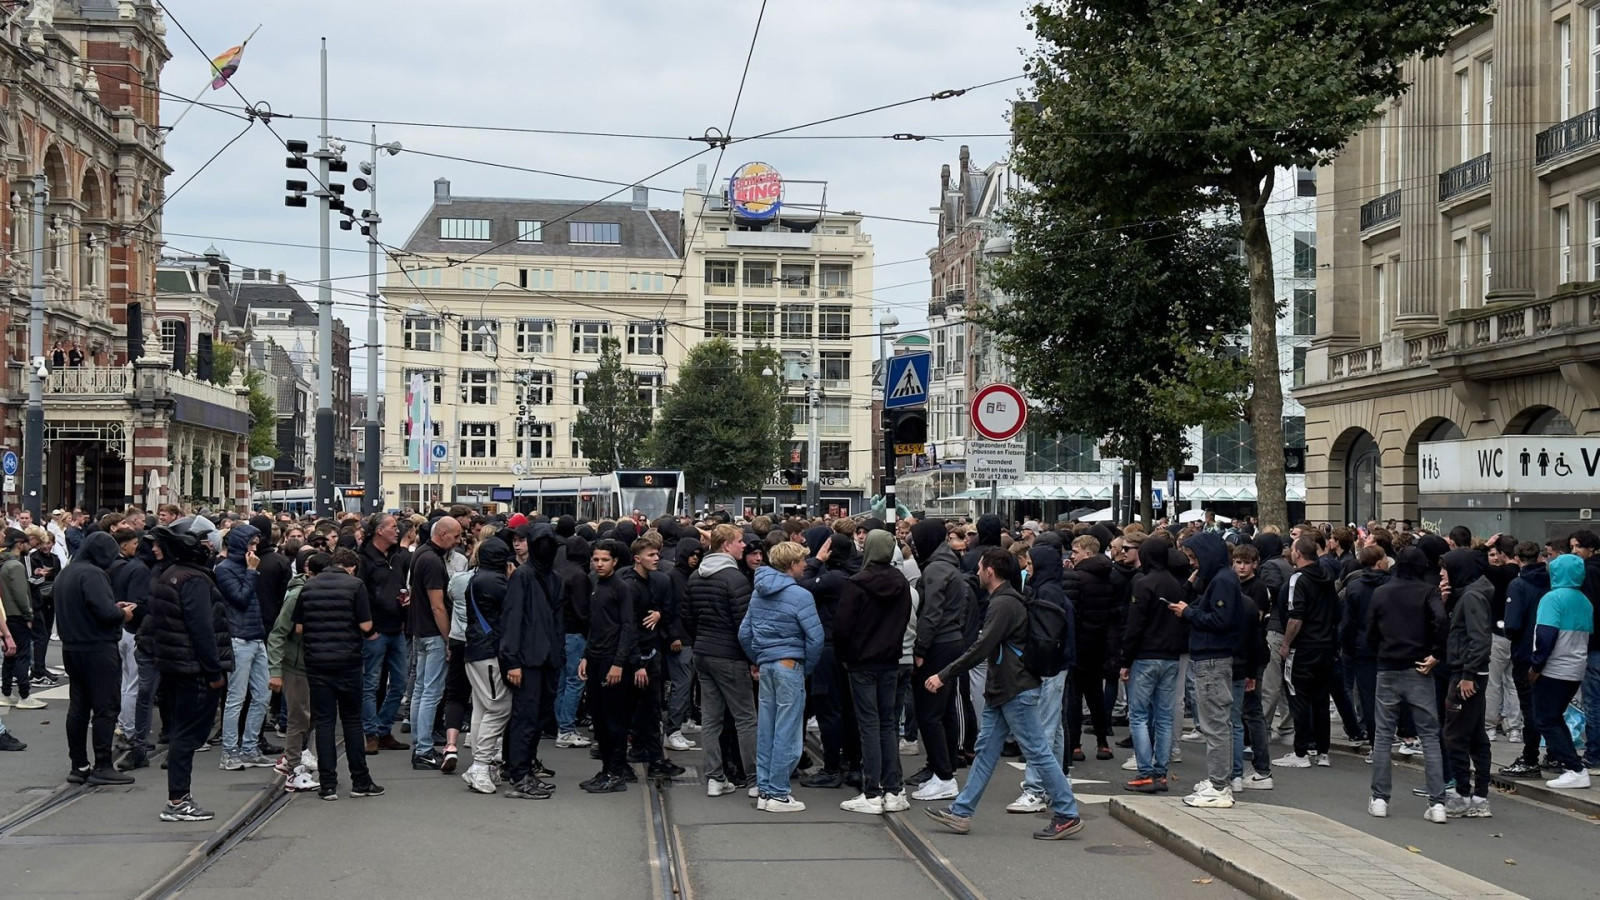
(1541, 420)
(1363, 480)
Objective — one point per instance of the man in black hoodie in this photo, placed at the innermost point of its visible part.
(610, 657)
(874, 608)
(941, 637)
(1467, 651)
(1406, 628)
(1309, 650)
(1152, 640)
(1359, 655)
(572, 564)
(1275, 572)
(1216, 629)
(679, 653)
(89, 619)
(1046, 584)
(1096, 610)
(531, 644)
(825, 577)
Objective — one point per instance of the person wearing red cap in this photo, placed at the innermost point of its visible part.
(517, 520)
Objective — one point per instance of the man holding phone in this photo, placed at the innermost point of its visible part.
(1406, 630)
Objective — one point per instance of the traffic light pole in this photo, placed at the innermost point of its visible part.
(325, 416)
(33, 421)
(889, 504)
(371, 468)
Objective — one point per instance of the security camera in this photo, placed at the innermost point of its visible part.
(336, 146)
(805, 354)
(39, 367)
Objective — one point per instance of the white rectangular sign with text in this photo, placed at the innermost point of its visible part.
(1537, 464)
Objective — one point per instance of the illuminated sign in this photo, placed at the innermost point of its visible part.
(756, 192)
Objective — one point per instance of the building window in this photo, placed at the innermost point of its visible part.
(405, 443)
(797, 320)
(421, 333)
(1381, 279)
(479, 276)
(1464, 129)
(480, 336)
(464, 229)
(1229, 450)
(835, 416)
(1564, 55)
(1594, 57)
(1382, 125)
(794, 365)
(530, 231)
(536, 336)
(649, 384)
(1305, 254)
(722, 318)
(1297, 371)
(1060, 453)
(169, 335)
(833, 366)
(1294, 431)
(1594, 240)
(579, 381)
(591, 280)
(480, 387)
(535, 279)
(1563, 245)
(834, 280)
(796, 277)
(722, 273)
(432, 377)
(647, 281)
(647, 338)
(1305, 182)
(536, 440)
(425, 275)
(941, 352)
(760, 320)
(594, 233)
(1463, 273)
(758, 274)
(833, 323)
(538, 387)
(478, 440)
(1486, 73)
(1486, 267)
(833, 460)
(587, 336)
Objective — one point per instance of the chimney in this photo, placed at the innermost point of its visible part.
(283, 277)
(441, 190)
(700, 178)
(944, 178)
(641, 197)
(966, 158)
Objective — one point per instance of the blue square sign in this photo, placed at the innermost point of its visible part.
(906, 380)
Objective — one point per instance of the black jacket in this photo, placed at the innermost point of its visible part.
(685, 558)
(652, 593)
(86, 608)
(486, 597)
(613, 626)
(947, 601)
(1311, 599)
(385, 575)
(1216, 620)
(272, 581)
(186, 627)
(574, 596)
(1471, 594)
(1358, 592)
(874, 609)
(1151, 630)
(718, 598)
(330, 609)
(825, 580)
(130, 581)
(531, 621)
(1591, 589)
(1095, 607)
(1047, 586)
(1406, 622)
(1251, 657)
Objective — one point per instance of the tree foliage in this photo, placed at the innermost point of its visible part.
(263, 416)
(223, 359)
(723, 421)
(1120, 334)
(1151, 108)
(614, 423)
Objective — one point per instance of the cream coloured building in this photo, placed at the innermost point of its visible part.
(1459, 242)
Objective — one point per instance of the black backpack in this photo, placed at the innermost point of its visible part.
(1049, 642)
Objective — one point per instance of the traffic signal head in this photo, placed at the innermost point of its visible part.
(908, 426)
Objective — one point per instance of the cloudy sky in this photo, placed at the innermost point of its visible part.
(626, 66)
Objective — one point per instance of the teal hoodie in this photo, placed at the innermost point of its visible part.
(1565, 619)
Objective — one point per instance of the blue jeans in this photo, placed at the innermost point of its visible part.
(1591, 711)
(384, 649)
(780, 719)
(1050, 694)
(429, 688)
(1152, 692)
(249, 674)
(570, 691)
(1018, 718)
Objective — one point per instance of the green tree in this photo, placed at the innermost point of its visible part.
(223, 359)
(614, 423)
(1149, 108)
(723, 421)
(263, 416)
(1119, 334)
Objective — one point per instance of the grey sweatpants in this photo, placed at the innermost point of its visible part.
(491, 710)
(1213, 713)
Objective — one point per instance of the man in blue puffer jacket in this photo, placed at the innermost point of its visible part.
(236, 579)
(783, 635)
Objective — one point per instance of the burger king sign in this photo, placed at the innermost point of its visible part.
(756, 192)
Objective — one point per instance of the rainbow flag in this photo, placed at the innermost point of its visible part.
(223, 67)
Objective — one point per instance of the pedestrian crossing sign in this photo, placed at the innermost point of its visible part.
(906, 380)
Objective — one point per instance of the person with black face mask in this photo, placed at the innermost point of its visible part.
(89, 619)
(531, 651)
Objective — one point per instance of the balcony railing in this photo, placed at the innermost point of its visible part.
(1582, 130)
(1469, 176)
(1475, 331)
(1380, 210)
(90, 380)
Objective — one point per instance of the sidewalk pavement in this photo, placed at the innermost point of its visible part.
(1278, 853)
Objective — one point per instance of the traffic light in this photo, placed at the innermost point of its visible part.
(1294, 460)
(908, 426)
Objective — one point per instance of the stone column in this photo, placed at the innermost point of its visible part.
(1418, 303)
(1514, 186)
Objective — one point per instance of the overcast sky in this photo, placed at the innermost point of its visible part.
(632, 66)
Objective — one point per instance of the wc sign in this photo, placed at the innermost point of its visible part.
(1552, 464)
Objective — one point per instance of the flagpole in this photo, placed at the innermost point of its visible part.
(196, 101)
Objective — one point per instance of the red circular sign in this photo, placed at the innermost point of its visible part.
(999, 411)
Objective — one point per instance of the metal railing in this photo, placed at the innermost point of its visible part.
(1466, 177)
(1582, 130)
(1385, 208)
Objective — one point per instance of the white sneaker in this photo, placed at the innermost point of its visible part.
(478, 779)
(1192, 736)
(1410, 747)
(1491, 733)
(716, 787)
(1236, 785)
(1131, 764)
(909, 748)
(1177, 754)
(301, 781)
(812, 726)
(1514, 736)
(783, 805)
(861, 803)
(5, 700)
(690, 726)
(574, 739)
(1324, 760)
(1573, 778)
(896, 802)
(1291, 761)
(938, 788)
(30, 703)
(1435, 814)
(676, 741)
(1029, 802)
(1378, 809)
(1256, 781)
(1478, 808)
(754, 793)
(309, 760)
(1210, 798)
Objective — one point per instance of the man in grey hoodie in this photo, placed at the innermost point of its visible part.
(1467, 651)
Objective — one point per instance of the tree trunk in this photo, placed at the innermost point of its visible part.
(1146, 487)
(1266, 400)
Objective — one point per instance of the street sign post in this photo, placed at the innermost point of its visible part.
(8, 463)
(999, 411)
(1002, 462)
(905, 380)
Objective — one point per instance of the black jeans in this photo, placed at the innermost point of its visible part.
(44, 620)
(95, 692)
(836, 720)
(194, 707)
(1088, 682)
(1468, 743)
(611, 711)
(1550, 699)
(337, 693)
(1340, 692)
(15, 669)
(874, 699)
(645, 728)
(1366, 677)
(1531, 735)
(522, 732)
(1312, 679)
(905, 714)
(149, 689)
(936, 713)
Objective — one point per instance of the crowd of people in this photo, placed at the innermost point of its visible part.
(961, 642)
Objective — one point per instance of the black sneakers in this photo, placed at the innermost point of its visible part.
(186, 810)
(606, 784)
(540, 770)
(79, 776)
(429, 760)
(108, 776)
(1059, 827)
(823, 779)
(665, 768)
(8, 741)
(1521, 769)
(366, 790)
(527, 789)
